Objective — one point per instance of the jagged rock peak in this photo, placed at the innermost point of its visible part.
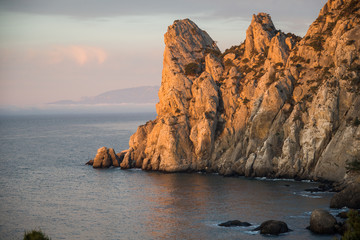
(259, 34)
(264, 19)
(186, 46)
(276, 106)
(186, 41)
(331, 5)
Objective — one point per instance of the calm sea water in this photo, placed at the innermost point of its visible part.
(45, 184)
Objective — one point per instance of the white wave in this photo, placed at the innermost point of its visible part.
(308, 195)
(252, 232)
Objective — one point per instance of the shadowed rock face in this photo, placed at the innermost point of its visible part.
(273, 227)
(348, 197)
(276, 105)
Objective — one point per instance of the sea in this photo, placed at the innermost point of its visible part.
(45, 185)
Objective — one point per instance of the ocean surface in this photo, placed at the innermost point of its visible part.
(44, 183)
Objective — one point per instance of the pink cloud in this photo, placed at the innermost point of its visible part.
(81, 55)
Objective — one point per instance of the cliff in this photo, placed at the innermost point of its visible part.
(277, 105)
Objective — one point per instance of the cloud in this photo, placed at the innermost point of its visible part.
(81, 55)
(111, 8)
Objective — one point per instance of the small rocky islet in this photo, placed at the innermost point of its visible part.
(277, 105)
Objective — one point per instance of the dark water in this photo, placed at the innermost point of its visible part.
(45, 184)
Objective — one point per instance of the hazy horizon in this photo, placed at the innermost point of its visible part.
(50, 51)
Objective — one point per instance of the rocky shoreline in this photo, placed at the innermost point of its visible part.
(347, 197)
(275, 106)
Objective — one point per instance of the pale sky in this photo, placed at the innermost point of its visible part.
(55, 50)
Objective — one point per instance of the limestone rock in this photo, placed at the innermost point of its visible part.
(276, 106)
(259, 34)
(322, 222)
(272, 227)
(105, 158)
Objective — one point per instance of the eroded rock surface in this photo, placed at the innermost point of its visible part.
(277, 105)
(105, 158)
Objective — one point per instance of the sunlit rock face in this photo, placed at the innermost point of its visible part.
(277, 105)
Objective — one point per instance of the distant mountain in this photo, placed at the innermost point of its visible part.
(137, 95)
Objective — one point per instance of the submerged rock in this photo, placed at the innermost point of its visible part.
(234, 223)
(322, 222)
(272, 227)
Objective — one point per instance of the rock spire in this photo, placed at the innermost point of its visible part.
(277, 105)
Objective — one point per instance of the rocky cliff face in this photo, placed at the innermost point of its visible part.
(277, 105)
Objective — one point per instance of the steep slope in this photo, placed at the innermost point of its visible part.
(276, 105)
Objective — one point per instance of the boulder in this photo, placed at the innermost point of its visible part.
(273, 227)
(105, 158)
(322, 222)
(349, 197)
(234, 223)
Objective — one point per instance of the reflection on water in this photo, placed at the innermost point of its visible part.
(189, 206)
(44, 183)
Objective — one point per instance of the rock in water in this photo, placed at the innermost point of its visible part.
(90, 162)
(273, 227)
(234, 223)
(115, 161)
(276, 106)
(322, 222)
(105, 158)
(349, 197)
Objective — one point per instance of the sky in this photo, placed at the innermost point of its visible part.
(55, 50)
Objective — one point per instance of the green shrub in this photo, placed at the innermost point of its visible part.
(353, 231)
(293, 36)
(246, 100)
(317, 43)
(296, 58)
(228, 63)
(279, 64)
(266, 51)
(234, 49)
(313, 89)
(214, 52)
(356, 122)
(191, 69)
(330, 28)
(350, 8)
(353, 165)
(35, 235)
(349, 42)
